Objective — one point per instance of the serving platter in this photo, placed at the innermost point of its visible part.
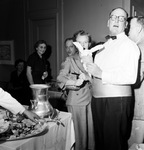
(24, 129)
(17, 127)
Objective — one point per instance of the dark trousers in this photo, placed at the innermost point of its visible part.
(112, 122)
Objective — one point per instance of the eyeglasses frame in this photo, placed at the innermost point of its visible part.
(123, 19)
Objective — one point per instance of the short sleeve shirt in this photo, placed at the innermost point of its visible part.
(38, 66)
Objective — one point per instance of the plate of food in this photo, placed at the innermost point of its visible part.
(72, 87)
(23, 129)
(4, 126)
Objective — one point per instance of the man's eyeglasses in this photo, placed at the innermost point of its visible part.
(120, 18)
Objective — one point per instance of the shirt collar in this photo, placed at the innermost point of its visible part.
(120, 35)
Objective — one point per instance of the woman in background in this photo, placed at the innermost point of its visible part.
(18, 86)
(37, 65)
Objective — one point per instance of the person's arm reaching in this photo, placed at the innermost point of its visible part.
(11, 104)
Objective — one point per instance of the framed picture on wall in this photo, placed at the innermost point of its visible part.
(7, 52)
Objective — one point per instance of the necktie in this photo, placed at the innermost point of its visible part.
(110, 37)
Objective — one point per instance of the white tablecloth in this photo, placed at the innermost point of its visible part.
(57, 137)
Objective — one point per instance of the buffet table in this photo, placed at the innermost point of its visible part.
(57, 137)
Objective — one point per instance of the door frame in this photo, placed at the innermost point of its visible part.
(57, 14)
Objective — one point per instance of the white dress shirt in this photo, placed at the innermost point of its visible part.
(9, 103)
(119, 61)
(119, 64)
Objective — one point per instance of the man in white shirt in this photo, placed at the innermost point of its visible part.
(11, 104)
(136, 33)
(114, 71)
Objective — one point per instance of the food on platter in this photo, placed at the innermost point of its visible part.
(3, 113)
(4, 125)
(16, 127)
(19, 128)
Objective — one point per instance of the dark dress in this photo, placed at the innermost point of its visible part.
(19, 87)
(38, 65)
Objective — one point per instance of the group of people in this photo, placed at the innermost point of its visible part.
(35, 71)
(102, 107)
